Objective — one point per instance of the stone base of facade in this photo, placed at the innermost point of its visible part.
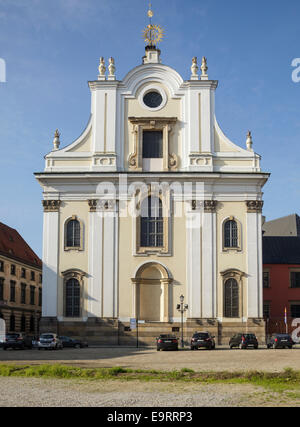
(112, 332)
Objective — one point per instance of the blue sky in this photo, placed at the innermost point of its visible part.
(52, 49)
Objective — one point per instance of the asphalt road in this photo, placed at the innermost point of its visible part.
(221, 359)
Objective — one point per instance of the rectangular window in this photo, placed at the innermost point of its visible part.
(1, 266)
(152, 144)
(1, 289)
(32, 295)
(267, 310)
(295, 310)
(23, 293)
(41, 278)
(32, 276)
(13, 270)
(266, 280)
(23, 273)
(295, 279)
(40, 297)
(12, 291)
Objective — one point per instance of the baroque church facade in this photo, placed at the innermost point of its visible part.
(152, 202)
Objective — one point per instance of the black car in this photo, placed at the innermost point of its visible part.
(243, 341)
(167, 342)
(280, 341)
(203, 339)
(71, 342)
(17, 341)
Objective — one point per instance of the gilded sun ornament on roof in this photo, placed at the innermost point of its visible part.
(153, 34)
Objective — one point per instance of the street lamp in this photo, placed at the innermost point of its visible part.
(182, 308)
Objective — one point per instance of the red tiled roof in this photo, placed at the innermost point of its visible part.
(14, 246)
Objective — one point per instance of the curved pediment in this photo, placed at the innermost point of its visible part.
(153, 73)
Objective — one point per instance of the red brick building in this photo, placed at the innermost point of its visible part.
(20, 283)
(281, 258)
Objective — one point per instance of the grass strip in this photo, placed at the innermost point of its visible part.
(289, 379)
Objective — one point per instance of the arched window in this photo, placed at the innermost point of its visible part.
(152, 223)
(231, 298)
(73, 234)
(72, 298)
(231, 234)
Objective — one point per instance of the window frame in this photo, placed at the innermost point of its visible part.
(269, 279)
(153, 237)
(81, 234)
(294, 304)
(294, 271)
(139, 125)
(2, 285)
(165, 249)
(23, 293)
(78, 297)
(233, 314)
(13, 270)
(238, 247)
(12, 293)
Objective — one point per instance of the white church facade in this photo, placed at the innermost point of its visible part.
(152, 202)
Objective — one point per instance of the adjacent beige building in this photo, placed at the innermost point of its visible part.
(20, 283)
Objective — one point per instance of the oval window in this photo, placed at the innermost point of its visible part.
(153, 99)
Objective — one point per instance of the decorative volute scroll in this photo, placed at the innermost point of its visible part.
(194, 69)
(254, 206)
(173, 162)
(133, 157)
(93, 205)
(164, 124)
(51, 205)
(210, 205)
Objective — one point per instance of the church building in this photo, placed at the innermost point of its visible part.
(150, 204)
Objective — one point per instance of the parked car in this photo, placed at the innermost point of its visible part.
(243, 341)
(17, 340)
(167, 342)
(71, 342)
(280, 341)
(203, 339)
(50, 341)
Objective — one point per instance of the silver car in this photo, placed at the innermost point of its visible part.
(50, 341)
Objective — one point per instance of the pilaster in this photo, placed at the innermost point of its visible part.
(50, 257)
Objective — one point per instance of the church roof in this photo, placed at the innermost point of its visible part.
(285, 226)
(12, 245)
(281, 250)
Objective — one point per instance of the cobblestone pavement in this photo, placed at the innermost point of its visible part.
(221, 359)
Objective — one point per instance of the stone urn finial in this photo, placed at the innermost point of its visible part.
(112, 69)
(194, 69)
(249, 141)
(56, 140)
(204, 68)
(102, 69)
